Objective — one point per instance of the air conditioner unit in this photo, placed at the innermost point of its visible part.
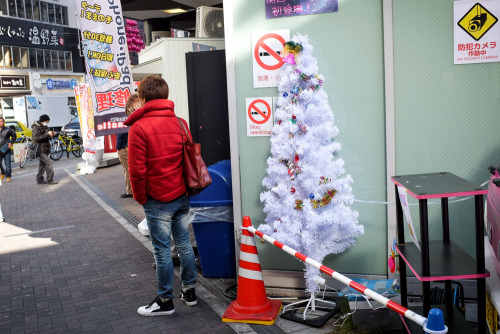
(209, 22)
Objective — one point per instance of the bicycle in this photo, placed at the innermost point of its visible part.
(69, 144)
(27, 152)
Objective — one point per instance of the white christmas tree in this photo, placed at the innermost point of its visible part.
(308, 200)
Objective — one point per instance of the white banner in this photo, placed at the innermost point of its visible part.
(91, 143)
(403, 198)
(267, 56)
(106, 56)
(477, 31)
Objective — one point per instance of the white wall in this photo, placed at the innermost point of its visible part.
(173, 53)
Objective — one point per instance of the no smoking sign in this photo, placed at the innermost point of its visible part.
(259, 116)
(267, 57)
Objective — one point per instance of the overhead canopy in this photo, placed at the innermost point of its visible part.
(153, 66)
(148, 9)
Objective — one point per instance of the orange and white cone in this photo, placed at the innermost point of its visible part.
(252, 304)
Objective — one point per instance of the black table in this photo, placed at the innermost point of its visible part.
(448, 260)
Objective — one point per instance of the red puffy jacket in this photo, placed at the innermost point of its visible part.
(155, 152)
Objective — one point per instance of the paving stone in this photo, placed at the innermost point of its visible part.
(87, 273)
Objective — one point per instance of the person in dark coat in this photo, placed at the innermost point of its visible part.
(42, 136)
(7, 136)
(122, 143)
(156, 173)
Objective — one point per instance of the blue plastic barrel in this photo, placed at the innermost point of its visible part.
(215, 238)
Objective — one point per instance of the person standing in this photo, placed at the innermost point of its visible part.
(122, 143)
(41, 136)
(7, 139)
(156, 174)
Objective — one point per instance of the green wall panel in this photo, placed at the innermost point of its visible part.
(349, 48)
(447, 116)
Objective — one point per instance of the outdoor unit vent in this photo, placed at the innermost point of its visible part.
(209, 22)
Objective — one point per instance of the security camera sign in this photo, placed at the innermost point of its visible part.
(477, 32)
(267, 49)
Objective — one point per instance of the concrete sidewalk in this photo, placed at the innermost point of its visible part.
(73, 261)
(68, 265)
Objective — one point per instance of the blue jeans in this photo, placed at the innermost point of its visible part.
(7, 171)
(165, 220)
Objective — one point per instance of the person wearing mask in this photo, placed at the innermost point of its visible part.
(122, 143)
(7, 139)
(155, 149)
(41, 136)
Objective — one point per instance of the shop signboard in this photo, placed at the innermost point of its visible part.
(285, 8)
(267, 57)
(476, 32)
(24, 33)
(12, 82)
(259, 116)
(60, 84)
(108, 67)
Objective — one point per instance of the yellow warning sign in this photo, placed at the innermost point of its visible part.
(477, 21)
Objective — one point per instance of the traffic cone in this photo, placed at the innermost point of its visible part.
(251, 304)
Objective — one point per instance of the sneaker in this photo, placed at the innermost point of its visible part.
(41, 182)
(157, 307)
(2, 176)
(189, 297)
(125, 195)
(8, 179)
(52, 182)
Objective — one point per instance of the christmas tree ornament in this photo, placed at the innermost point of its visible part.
(302, 129)
(290, 59)
(323, 221)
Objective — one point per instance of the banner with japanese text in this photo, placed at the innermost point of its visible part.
(108, 67)
(285, 8)
(83, 96)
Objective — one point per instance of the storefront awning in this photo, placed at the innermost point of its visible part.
(153, 66)
(10, 93)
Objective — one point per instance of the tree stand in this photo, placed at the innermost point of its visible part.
(316, 312)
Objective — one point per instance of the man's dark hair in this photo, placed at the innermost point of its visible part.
(153, 87)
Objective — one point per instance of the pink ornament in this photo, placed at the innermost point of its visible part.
(290, 59)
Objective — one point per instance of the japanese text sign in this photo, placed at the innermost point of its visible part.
(259, 116)
(477, 32)
(107, 61)
(267, 57)
(284, 8)
(38, 35)
(86, 117)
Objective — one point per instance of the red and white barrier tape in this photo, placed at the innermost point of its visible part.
(339, 277)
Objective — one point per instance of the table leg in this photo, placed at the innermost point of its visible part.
(446, 219)
(401, 241)
(424, 252)
(481, 268)
(448, 296)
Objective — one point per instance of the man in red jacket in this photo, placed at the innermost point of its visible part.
(155, 147)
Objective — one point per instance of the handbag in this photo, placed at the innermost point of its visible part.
(196, 174)
(34, 151)
(4, 148)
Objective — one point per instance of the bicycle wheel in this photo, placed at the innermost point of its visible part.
(77, 147)
(22, 157)
(56, 150)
